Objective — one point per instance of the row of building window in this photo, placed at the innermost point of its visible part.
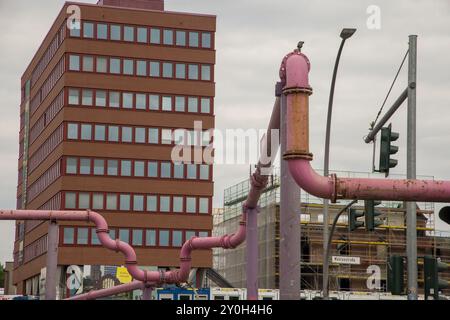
(143, 35)
(46, 148)
(82, 236)
(139, 101)
(137, 135)
(136, 168)
(137, 202)
(140, 67)
(46, 179)
(35, 249)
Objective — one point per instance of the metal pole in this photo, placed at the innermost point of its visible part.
(411, 213)
(147, 293)
(372, 134)
(52, 261)
(252, 266)
(290, 240)
(326, 170)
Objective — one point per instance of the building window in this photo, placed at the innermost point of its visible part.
(166, 170)
(177, 238)
(100, 98)
(70, 200)
(203, 234)
(85, 166)
(137, 237)
(128, 67)
(192, 171)
(88, 64)
(102, 31)
(142, 35)
(180, 104)
(140, 135)
(125, 168)
(192, 104)
(206, 40)
(128, 33)
(203, 205)
(152, 169)
(193, 72)
(116, 33)
(154, 69)
(167, 70)
(151, 203)
(190, 234)
(87, 97)
(113, 166)
(154, 102)
(178, 170)
(138, 203)
(74, 63)
(124, 235)
(139, 168)
(127, 100)
(72, 131)
(99, 167)
(204, 172)
(193, 39)
(180, 71)
(83, 201)
(74, 96)
(168, 37)
(166, 136)
(83, 236)
(127, 134)
(100, 133)
(97, 201)
(164, 204)
(206, 73)
(155, 36)
(141, 101)
(111, 202)
(94, 237)
(178, 204)
(163, 238)
(114, 66)
(71, 165)
(167, 103)
(86, 132)
(75, 29)
(114, 99)
(206, 105)
(153, 135)
(69, 234)
(112, 233)
(150, 238)
(125, 202)
(181, 38)
(191, 205)
(113, 134)
(101, 65)
(141, 68)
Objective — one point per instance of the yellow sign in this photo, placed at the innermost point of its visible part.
(123, 276)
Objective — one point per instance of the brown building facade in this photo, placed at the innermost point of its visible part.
(102, 108)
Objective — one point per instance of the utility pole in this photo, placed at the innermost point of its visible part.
(52, 261)
(411, 211)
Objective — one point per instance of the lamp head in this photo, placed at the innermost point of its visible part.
(347, 33)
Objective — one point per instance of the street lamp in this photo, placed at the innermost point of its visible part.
(345, 34)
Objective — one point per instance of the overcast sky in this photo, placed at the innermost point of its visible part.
(252, 38)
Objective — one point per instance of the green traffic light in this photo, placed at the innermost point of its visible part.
(386, 149)
(371, 213)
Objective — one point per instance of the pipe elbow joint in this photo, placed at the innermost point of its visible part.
(294, 73)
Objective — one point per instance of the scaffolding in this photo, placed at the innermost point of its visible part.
(373, 248)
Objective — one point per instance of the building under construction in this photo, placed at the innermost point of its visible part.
(369, 248)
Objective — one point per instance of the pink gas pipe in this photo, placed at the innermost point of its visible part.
(294, 71)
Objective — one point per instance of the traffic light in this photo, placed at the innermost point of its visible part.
(386, 149)
(353, 222)
(433, 284)
(370, 214)
(395, 275)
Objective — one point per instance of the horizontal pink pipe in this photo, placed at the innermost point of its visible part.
(103, 293)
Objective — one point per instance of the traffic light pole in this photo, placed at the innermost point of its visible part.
(411, 211)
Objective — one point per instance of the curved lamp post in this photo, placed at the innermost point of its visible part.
(345, 34)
